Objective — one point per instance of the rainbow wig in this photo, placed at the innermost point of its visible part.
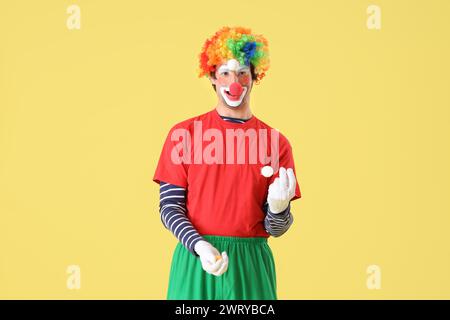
(235, 43)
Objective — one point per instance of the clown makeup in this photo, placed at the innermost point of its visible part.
(233, 81)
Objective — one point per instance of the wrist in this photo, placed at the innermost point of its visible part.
(278, 208)
(281, 213)
(193, 246)
(200, 246)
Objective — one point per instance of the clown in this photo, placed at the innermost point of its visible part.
(222, 213)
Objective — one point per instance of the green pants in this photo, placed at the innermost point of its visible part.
(250, 275)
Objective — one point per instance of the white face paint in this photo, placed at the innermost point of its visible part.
(240, 89)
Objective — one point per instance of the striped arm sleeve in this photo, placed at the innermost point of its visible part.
(277, 224)
(172, 208)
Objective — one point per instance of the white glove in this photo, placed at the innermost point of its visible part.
(212, 261)
(282, 190)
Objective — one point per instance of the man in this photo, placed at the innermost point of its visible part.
(219, 194)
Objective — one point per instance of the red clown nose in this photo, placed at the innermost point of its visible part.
(236, 89)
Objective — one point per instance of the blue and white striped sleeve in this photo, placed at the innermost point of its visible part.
(277, 224)
(172, 208)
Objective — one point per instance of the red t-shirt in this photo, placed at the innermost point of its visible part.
(224, 194)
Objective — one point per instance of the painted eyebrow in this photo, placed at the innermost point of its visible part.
(223, 68)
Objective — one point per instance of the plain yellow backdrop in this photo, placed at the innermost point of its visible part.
(84, 113)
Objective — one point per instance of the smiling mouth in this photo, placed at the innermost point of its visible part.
(232, 100)
(232, 97)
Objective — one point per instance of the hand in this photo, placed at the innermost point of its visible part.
(212, 261)
(281, 191)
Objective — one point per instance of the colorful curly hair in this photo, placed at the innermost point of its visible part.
(235, 43)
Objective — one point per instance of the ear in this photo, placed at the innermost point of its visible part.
(213, 81)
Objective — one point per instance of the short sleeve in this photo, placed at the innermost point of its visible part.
(287, 161)
(170, 169)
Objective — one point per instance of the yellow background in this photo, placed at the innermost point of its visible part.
(83, 115)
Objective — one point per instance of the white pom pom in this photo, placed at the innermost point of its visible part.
(267, 171)
(233, 64)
